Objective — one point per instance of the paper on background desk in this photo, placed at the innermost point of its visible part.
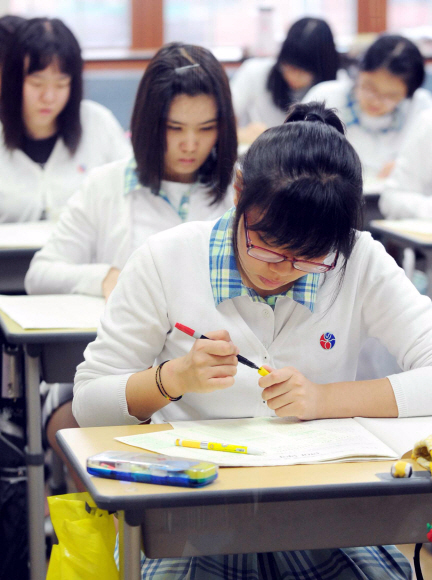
(58, 311)
(283, 441)
(31, 235)
(417, 226)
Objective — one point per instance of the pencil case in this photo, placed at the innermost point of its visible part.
(152, 468)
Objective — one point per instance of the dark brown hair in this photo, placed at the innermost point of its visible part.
(170, 73)
(34, 46)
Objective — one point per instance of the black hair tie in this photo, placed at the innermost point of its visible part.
(314, 118)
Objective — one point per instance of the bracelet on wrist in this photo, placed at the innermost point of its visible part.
(160, 385)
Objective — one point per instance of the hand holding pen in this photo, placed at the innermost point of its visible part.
(210, 365)
(242, 359)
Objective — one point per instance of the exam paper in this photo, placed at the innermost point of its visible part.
(283, 441)
(57, 311)
(31, 235)
(409, 226)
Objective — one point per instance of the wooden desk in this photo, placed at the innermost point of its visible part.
(254, 509)
(400, 233)
(52, 355)
(18, 244)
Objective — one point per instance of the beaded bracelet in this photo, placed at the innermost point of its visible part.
(160, 385)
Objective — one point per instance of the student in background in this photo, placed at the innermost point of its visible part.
(263, 88)
(285, 279)
(408, 191)
(382, 104)
(8, 25)
(49, 136)
(185, 147)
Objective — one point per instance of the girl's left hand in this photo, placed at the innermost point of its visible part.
(291, 394)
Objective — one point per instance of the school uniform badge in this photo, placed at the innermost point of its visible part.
(327, 340)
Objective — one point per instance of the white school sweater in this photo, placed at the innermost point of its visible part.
(26, 189)
(408, 191)
(374, 144)
(252, 101)
(167, 281)
(101, 227)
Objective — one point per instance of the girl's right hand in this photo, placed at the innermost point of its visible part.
(209, 366)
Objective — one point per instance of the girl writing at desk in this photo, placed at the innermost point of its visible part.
(264, 88)
(381, 105)
(49, 136)
(286, 279)
(185, 147)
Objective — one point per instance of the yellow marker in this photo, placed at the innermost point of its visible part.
(212, 446)
(263, 372)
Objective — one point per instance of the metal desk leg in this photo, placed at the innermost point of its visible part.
(35, 468)
(428, 255)
(129, 549)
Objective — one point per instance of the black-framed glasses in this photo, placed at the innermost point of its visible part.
(265, 255)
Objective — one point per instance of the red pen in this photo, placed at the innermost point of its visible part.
(261, 370)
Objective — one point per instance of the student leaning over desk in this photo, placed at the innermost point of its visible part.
(264, 88)
(185, 146)
(49, 137)
(285, 279)
(408, 191)
(381, 105)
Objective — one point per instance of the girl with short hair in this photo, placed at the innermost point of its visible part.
(185, 146)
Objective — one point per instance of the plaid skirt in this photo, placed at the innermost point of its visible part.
(366, 563)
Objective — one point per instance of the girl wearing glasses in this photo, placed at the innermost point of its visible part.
(286, 279)
(380, 107)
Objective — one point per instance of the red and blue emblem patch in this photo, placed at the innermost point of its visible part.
(327, 340)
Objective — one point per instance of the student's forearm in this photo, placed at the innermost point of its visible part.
(142, 394)
(373, 398)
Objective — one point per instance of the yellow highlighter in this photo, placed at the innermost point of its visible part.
(212, 446)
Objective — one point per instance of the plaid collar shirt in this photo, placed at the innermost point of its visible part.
(225, 278)
(132, 183)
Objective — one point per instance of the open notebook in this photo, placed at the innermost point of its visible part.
(290, 441)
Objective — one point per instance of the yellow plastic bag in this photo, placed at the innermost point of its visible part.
(86, 536)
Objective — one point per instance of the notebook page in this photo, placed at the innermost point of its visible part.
(282, 441)
(57, 311)
(399, 434)
(414, 226)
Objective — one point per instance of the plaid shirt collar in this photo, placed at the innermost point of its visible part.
(225, 278)
(132, 183)
(353, 113)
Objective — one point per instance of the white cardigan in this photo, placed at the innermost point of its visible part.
(408, 191)
(96, 231)
(167, 281)
(374, 146)
(26, 189)
(252, 101)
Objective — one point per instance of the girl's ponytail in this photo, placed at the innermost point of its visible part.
(315, 112)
